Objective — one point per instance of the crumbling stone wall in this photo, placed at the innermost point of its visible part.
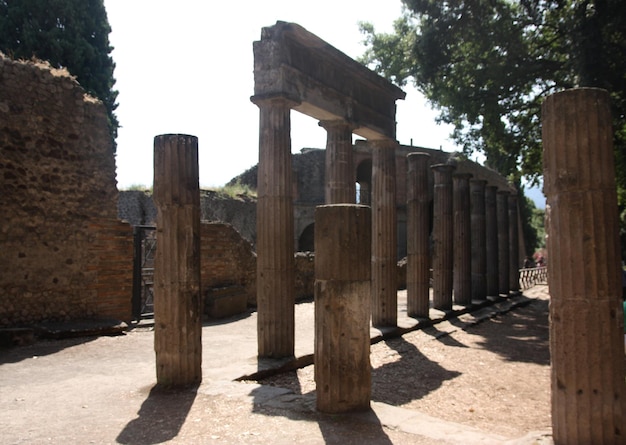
(137, 208)
(63, 254)
(226, 260)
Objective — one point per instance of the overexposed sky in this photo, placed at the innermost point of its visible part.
(187, 67)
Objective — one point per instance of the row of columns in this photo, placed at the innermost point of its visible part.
(586, 330)
(474, 238)
(455, 229)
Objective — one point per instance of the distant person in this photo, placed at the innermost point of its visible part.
(540, 261)
(528, 263)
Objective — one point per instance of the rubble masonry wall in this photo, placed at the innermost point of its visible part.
(63, 252)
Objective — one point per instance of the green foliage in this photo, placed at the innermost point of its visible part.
(236, 190)
(487, 65)
(138, 187)
(67, 33)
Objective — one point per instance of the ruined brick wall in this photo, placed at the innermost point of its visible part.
(226, 259)
(57, 183)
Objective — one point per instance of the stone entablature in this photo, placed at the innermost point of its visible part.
(323, 82)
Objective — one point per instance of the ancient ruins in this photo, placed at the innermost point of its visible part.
(66, 256)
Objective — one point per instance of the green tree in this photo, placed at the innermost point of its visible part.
(67, 33)
(488, 64)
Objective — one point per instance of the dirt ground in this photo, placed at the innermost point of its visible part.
(482, 377)
(492, 374)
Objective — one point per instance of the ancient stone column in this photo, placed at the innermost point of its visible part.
(502, 208)
(177, 299)
(462, 268)
(586, 322)
(275, 228)
(514, 263)
(342, 307)
(340, 174)
(479, 239)
(491, 228)
(384, 234)
(418, 246)
(443, 225)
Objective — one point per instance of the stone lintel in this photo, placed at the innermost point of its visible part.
(290, 61)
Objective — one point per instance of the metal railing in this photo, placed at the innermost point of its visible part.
(533, 275)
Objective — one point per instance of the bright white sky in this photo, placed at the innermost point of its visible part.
(186, 67)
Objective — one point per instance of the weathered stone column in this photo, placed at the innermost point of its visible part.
(384, 234)
(442, 237)
(275, 227)
(586, 322)
(177, 300)
(479, 239)
(340, 178)
(514, 244)
(491, 225)
(418, 246)
(462, 269)
(502, 208)
(342, 307)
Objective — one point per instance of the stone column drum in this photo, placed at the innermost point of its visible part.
(514, 259)
(442, 237)
(462, 269)
(479, 239)
(586, 321)
(275, 228)
(491, 228)
(502, 208)
(418, 231)
(177, 299)
(340, 181)
(384, 234)
(342, 307)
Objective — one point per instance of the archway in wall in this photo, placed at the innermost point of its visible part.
(306, 241)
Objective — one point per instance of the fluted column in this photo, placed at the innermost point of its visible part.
(491, 227)
(442, 237)
(342, 307)
(502, 206)
(275, 228)
(462, 268)
(177, 299)
(340, 184)
(586, 323)
(418, 246)
(479, 239)
(514, 244)
(384, 234)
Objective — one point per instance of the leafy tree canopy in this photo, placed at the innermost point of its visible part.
(488, 64)
(67, 33)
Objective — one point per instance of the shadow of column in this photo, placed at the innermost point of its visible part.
(160, 417)
(408, 383)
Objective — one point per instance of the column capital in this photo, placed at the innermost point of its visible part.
(462, 175)
(479, 182)
(383, 143)
(336, 123)
(272, 100)
(443, 168)
(418, 155)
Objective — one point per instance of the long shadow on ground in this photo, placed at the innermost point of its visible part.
(401, 377)
(521, 335)
(160, 417)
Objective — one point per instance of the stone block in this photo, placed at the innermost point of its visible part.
(225, 301)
